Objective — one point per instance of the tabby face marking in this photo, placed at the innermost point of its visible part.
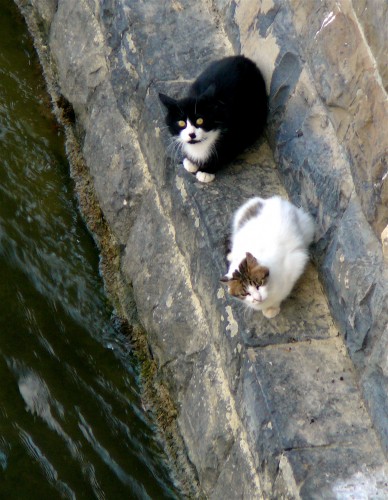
(249, 282)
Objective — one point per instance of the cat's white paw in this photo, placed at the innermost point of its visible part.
(190, 166)
(229, 257)
(205, 177)
(271, 312)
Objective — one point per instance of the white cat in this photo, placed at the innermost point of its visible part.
(270, 238)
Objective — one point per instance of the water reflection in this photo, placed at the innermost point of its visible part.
(71, 423)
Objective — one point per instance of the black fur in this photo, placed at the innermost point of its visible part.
(231, 96)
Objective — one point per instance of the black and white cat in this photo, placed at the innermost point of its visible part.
(224, 112)
(270, 238)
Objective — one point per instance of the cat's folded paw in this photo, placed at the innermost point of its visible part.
(190, 166)
(271, 312)
(205, 177)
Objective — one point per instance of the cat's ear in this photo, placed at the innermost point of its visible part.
(251, 261)
(265, 272)
(169, 102)
(210, 91)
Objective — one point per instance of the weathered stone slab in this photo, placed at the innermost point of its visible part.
(325, 402)
(349, 85)
(321, 420)
(356, 270)
(350, 472)
(373, 17)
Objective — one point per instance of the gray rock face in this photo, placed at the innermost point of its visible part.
(271, 408)
(373, 17)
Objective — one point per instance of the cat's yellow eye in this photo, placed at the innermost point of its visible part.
(199, 121)
(182, 123)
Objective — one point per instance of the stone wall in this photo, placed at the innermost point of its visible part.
(271, 408)
(329, 136)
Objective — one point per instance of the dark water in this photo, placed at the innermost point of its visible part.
(71, 423)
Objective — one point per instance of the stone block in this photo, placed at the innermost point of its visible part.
(373, 17)
(308, 412)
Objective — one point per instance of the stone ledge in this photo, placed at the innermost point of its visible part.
(238, 416)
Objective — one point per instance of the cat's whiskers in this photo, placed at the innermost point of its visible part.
(175, 147)
(243, 309)
(248, 312)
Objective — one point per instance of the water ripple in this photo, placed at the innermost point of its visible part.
(71, 417)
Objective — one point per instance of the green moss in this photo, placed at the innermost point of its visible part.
(155, 395)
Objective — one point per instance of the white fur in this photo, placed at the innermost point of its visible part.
(278, 237)
(204, 177)
(190, 166)
(202, 150)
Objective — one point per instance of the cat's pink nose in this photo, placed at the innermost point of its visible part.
(192, 135)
